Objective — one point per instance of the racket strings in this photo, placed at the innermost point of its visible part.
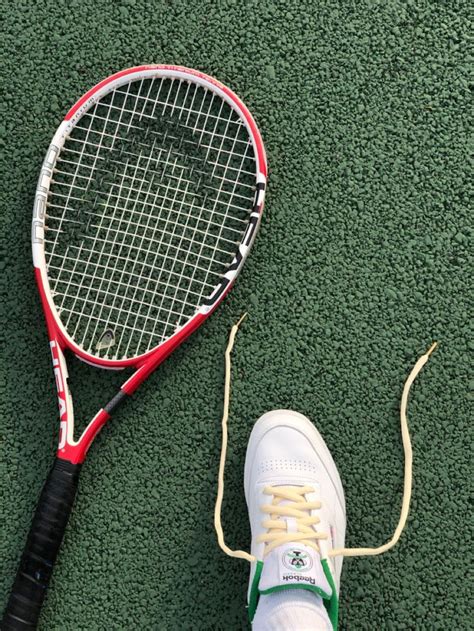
(150, 200)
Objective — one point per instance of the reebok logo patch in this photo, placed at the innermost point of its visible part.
(297, 560)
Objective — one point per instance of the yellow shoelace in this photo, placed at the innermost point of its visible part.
(297, 509)
(298, 525)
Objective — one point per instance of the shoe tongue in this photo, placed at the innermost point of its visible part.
(294, 565)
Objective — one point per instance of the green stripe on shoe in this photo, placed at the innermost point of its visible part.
(331, 604)
(282, 588)
(253, 600)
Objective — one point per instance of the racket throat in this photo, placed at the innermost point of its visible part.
(116, 401)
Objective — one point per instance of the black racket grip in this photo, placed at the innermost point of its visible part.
(44, 540)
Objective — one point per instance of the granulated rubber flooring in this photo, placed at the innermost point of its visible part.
(360, 264)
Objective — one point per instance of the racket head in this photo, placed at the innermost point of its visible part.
(147, 204)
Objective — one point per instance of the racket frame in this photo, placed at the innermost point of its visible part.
(57, 497)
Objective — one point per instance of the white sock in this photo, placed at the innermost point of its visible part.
(291, 610)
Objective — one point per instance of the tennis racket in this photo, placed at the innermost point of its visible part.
(147, 204)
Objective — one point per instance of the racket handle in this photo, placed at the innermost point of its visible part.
(45, 537)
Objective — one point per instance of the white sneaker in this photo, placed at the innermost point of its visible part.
(297, 515)
(296, 508)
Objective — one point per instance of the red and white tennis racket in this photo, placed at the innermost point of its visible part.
(147, 204)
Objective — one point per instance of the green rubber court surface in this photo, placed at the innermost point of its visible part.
(361, 262)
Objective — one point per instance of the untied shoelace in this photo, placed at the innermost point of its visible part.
(290, 501)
